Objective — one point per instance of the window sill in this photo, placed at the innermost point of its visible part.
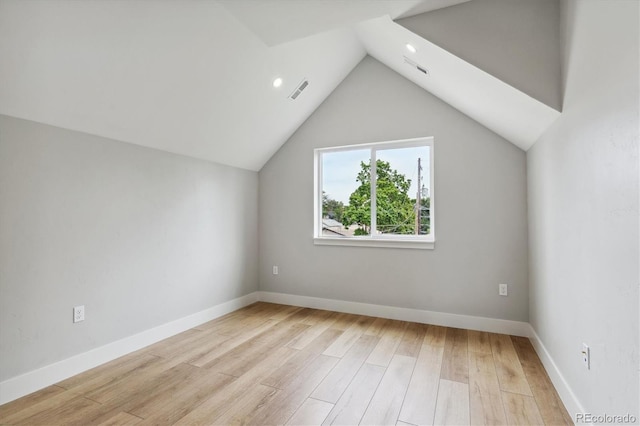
(376, 242)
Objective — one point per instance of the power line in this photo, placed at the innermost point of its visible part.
(419, 193)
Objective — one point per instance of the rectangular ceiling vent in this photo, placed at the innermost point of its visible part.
(415, 65)
(299, 89)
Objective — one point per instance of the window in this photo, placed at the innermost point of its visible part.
(378, 194)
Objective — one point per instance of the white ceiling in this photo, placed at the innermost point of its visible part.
(507, 111)
(181, 76)
(280, 21)
(194, 77)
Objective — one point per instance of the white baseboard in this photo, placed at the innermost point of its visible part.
(24, 384)
(516, 328)
(571, 402)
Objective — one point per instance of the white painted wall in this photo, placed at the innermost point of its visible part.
(583, 210)
(140, 237)
(480, 207)
(517, 41)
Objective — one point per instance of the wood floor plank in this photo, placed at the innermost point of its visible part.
(389, 341)
(234, 325)
(134, 392)
(284, 313)
(316, 328)
(412, 339)
(283, 376)
(242, 408)
(72, 412)
(551, 408)
(119, 387)
(191, 347)
(121, 419)
(230, 344)
(311, 412)
(378, 327)
(323, 341)
(237, 361)
(349, 337)
(181, 397)
(479, 342)
(452, 407)
(356, 398)
(252, 309)
(387, 401)
(220, 402)
(262, 309)
(485, 399)
(43, 405)
(419, 405)
(436, 335)
(284, 403)
(510, 373)
(342, 320)
(112, 377)
(521, 409)
(101, 413)
(455, 364)
(28, 401)
(155, 396)
(220, 324)
(201, 348)
(339, 378)
(318, 316)
(303, 316)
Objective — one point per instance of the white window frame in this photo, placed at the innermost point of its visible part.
(374, 240)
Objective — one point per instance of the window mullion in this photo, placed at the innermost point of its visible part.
(372, 180)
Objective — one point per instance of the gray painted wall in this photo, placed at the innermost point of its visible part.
(517, 41)
(140, 237)
(583, 211)
(480, 207)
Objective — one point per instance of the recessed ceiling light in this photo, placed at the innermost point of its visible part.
(410, 48)
(277, 82)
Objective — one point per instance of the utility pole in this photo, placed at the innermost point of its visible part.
(418, 207)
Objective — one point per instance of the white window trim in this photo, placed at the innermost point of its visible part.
(389, 241)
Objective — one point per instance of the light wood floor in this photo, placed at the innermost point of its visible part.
(275, 364)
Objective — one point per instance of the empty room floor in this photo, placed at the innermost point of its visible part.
(277, 364)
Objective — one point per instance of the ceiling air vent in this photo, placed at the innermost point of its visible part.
(299, 89)
(415, 65)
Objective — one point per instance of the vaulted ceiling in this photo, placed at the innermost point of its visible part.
(195, 77)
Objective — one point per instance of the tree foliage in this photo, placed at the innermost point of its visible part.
(395, 210)
(331, 208)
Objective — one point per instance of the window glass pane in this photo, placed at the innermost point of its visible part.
(346, 193)
(402, 191)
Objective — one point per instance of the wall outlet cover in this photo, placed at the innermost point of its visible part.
(503, 289)
(78, 313)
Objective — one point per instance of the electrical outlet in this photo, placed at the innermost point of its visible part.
(78, 313)
(275, 270)
(586, 356)
(503, 289)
